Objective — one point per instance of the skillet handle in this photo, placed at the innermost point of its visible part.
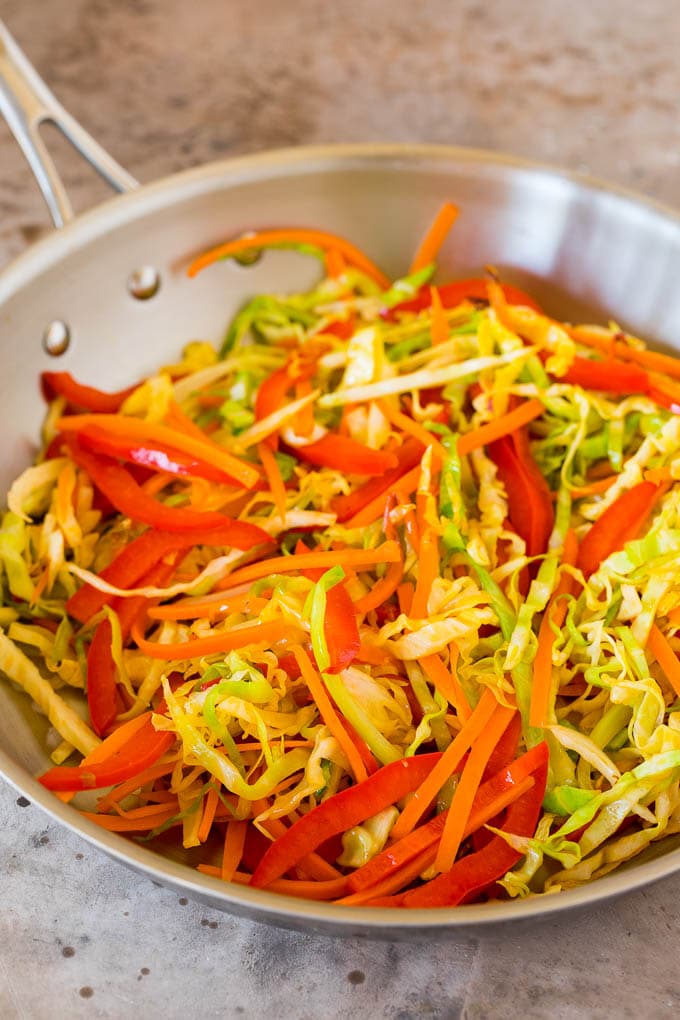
(26, 103)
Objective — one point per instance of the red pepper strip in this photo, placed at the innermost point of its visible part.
(619, 523)
(341, 812)
(608, 375)
(139, 556)
(118, 485)
(345, 454)
(83, 398)
(101, 680)
(505, 751)
(666, 399)
(453, 294)
(408, 456)
(340, 625)
(273, 390)
(140, 752)
(530, 506)
(477, 871)
(156, 458)
(426, 837)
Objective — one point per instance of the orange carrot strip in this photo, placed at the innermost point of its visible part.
(413, 428)
(335, 263)
(411, 870)
(243, 602)
(446, 682)
(114, 823)
(598, 486)
(662, 651)
(312, 864)
(439, 324)
(177, 419)
(446, 766)
(149, 432)
(304, 419)
(274, 479)
(209, 808)
(293, 235)
(501, 426)
(369, 513)
(149, 775)
(471, 777)
(328, 890)
(553, 616)
(225, 641)
(405, 596)
(384, 588)
(619, 349)
(328, 713)
(428, 571)
(234, 841)
(435, 237)
(388, 552)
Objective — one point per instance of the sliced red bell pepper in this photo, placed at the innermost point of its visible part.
(408, 455)
(341, 812)
(609, 375)
(345, 454)
(118, 485)
(453, 294)
(619, 523)
(101, 680)
(139, 753)
(139, 556)
(530, 506)
(80, 397)
(426, 837)
(473, 874)
(156, 458)
(340, 627)
(272, 392)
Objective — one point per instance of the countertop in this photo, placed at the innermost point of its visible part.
(593, 87)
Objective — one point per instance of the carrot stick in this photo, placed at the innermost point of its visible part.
(446, 766)
(446, 682)
(439, 324)
(243, 602)
(335, 263)
(328, 713)
(598, 486)
(501, 426)
(209, 808)
(114, 823)
(388, 552)
(553, 616)
(471, 777)
(177, 419)
(434, 238)
(413, 428)
(234, 841)
(274, 479)
(428, 571)
(619, 349)
(662, 651)
(286, 236)
(225, 641)
(313, 864)
(136, 429)
(123, 790)
(328, 890)
(381, 591)
(304, 421)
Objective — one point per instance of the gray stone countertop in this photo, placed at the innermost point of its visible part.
(163, 84)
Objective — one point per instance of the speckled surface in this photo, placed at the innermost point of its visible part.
(165, 85)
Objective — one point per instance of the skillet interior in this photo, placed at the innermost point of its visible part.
(586, 252)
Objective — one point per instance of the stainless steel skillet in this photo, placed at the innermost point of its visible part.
(580, 247)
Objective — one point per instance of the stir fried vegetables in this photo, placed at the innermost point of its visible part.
(379, 604)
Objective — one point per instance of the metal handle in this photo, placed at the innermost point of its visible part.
(26, 103)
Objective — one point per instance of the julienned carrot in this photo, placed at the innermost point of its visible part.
(384, 588)
(300, 888)
(388, 552)
(141, 823)
(662, 651)
(276, 482)
(553, 616)
(471, 777)
(328, 713)
(335, 263)
(291, 236)
(413, 428)
(121, 791)
(428, 571)
(439, 324)
(151, 432)
(175, 418)
(435, 237)
(210, 804)
(501, 426)
(446, 766)
(372, 510)
(619, 523)
(243, 602)
(615, 347)
(416, 852)
(596, 487)
(234, 841)
(446, 682)
(267, 633)
(312, 865)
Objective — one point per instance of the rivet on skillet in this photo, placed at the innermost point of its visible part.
(56, 338)
(144, 283)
